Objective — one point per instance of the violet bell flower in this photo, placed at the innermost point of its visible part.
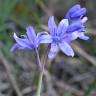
(75, 13)
(77, 21)
(79, 27)
(60, 37)
(30, 40)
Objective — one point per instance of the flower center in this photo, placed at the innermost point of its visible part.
(56, 39)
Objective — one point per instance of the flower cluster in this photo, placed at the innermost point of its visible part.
(70, 28)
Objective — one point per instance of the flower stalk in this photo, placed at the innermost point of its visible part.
(40, 83)
(41, 74)
(38, 59)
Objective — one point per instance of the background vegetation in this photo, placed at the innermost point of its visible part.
(64, 76)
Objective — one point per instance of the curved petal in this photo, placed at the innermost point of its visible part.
(52, 26)
(79, 13)
(16, 46)
(45, 39)
(70, 36)
(54, 49)
(31, 34)
(72, 10)
(22, 42)
(66, 48)
(83, 36)
(42, 33)
(62, 27)
(75, 26)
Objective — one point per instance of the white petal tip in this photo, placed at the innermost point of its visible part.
(72, 55)
(65, 22)
(14, 35)
(84, 20)
(51, 55)
(84, 37)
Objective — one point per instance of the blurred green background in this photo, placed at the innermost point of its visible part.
(64, 76)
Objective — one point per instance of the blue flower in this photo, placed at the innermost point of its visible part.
(76, 12)
(30, 40)
(60, 37)
(77, 21)
(79, 27)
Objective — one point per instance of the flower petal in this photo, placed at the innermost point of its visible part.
(79, 13)
(75, 26)
(71, 36)
(66, 48)
(83, 36)
(45, 39)
(16, 46)
(52, 26)
(72, 10)
(42, 33)
(31, 34)
(22, 42)
(62, 27)
(54, 49)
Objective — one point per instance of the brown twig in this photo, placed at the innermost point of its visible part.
(44, 8)
(10, 75)
(81, 77)
(50, 89)
(84, 54)
(68, 88)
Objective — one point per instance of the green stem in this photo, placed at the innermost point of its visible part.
(40, 83)
(41, 74)
(38, 59)
(41, 71)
